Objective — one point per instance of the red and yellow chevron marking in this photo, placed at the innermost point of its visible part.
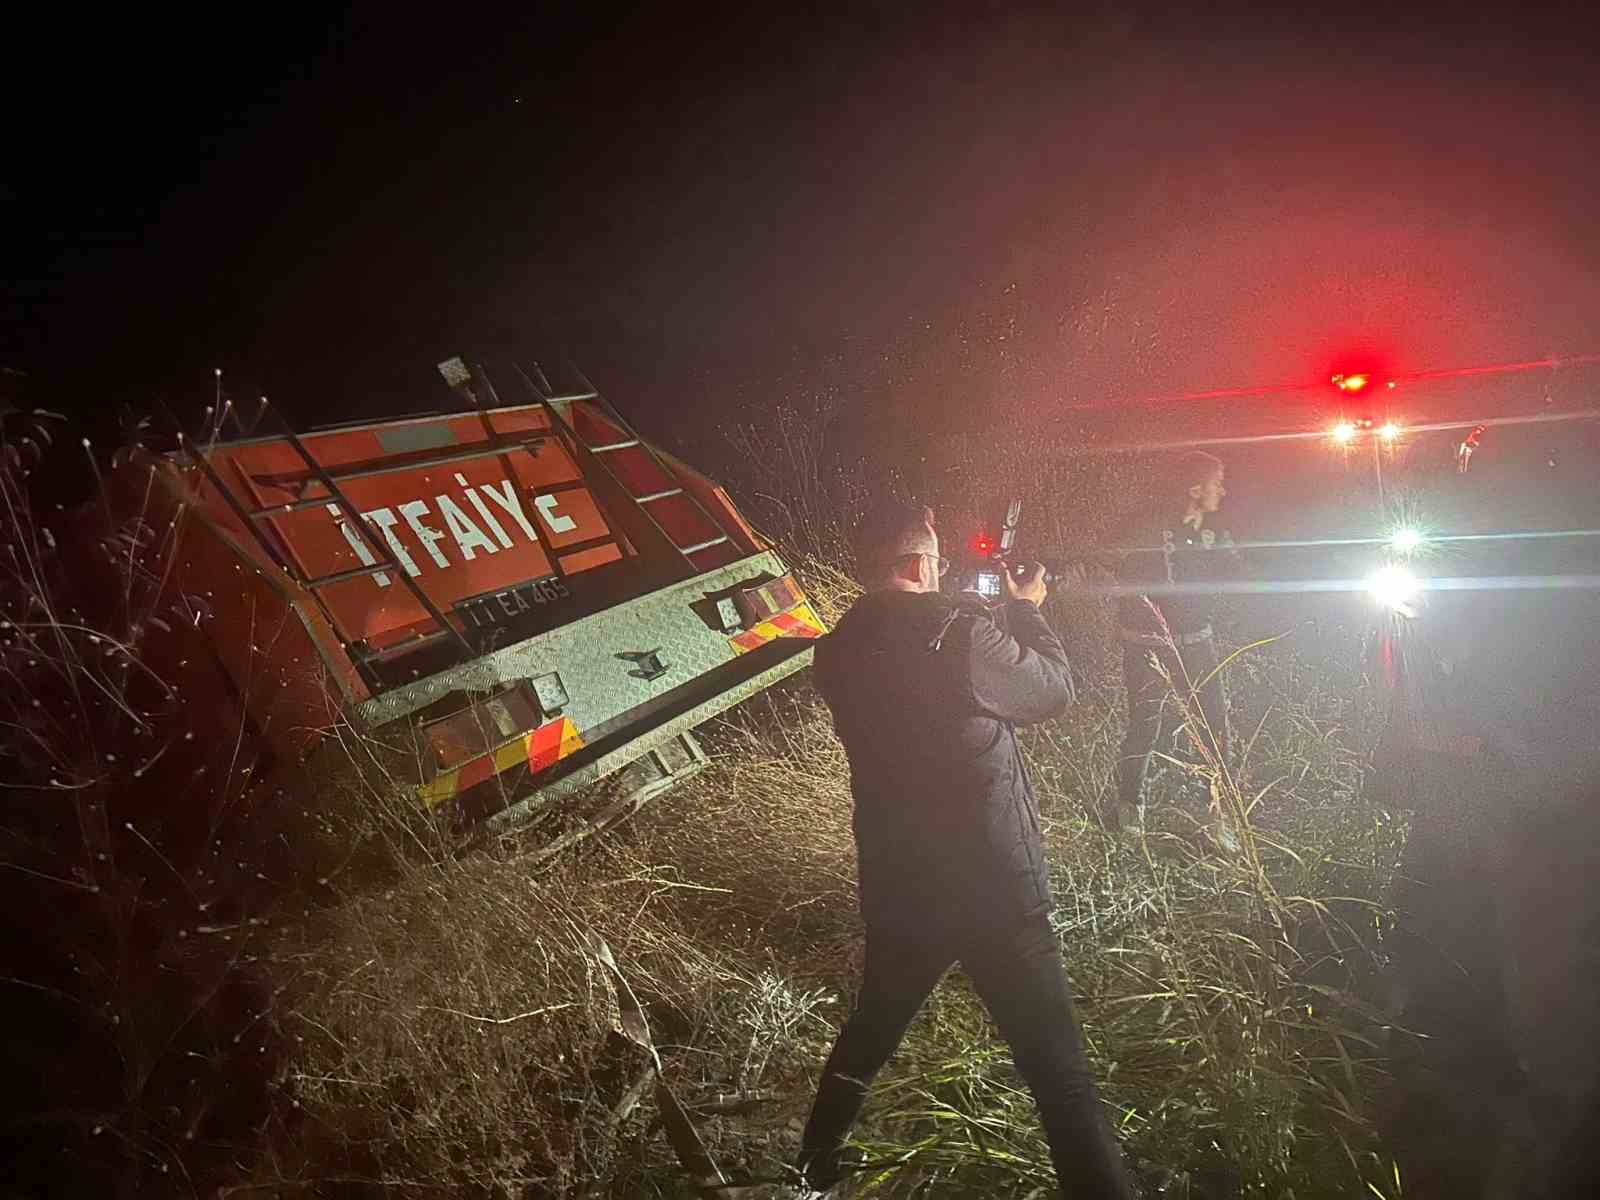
(539, 748)
(798, 622)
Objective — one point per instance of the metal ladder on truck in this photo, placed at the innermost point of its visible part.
(384, 560)
(664, 765)
(635, 460)
(658, 768)
(639, 472)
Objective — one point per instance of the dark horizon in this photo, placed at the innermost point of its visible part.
(981, 206)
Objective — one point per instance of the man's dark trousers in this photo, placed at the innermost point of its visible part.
(927, 693)
(1154, 710)
(1020, 978)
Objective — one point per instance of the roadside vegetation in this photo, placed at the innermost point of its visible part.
(226, 985)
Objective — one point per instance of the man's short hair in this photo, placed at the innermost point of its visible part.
(1194, 467)
(890, 531)
(1188, 469)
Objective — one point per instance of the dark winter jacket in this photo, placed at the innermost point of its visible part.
(926, 694)
(1176, 562)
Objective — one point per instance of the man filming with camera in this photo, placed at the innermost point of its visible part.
(927, 692)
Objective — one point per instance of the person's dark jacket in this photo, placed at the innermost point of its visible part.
(1174, 561)
(926, 693)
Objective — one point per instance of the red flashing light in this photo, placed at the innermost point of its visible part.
(983, 544)
(1352, 383)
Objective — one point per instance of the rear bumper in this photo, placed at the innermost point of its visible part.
(592, 653)
(511, 798)
(631, 679)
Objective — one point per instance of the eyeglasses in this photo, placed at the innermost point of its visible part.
(944, 563)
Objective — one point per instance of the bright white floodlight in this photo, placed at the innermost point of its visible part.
(1406, 540)
(1395, 588)
(1344, 433)
(1389, 431)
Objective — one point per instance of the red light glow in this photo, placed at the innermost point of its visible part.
(1367, 368)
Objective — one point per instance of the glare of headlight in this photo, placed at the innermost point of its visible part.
(1389, 431)
(1394, 588)
(1344, 432)
(1406, 540)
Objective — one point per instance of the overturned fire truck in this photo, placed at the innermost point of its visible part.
(528, 596)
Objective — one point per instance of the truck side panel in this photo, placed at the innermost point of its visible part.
(245, 658)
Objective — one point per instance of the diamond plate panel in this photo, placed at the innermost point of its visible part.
(596, 655)
(548, 791)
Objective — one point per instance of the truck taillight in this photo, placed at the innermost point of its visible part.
(479, 728)
(764, 601)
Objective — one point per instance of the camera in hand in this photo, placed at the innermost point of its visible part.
(995, 546)
(987, 583)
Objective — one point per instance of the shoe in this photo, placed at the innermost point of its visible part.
(820, 1178)
(1154, 1182)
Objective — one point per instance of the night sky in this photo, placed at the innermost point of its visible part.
(985, 206)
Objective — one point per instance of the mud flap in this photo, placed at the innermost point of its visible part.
(659, 768)
(646, 777)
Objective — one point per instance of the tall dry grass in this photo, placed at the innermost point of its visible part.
(456, 1030)
(1228, 1000)
(140, 1024)
(321, 995)
(453, 1031)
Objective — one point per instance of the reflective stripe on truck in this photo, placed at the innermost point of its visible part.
(799, 622)
(538, 749)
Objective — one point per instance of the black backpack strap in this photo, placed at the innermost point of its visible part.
(964, 607)
(936, 643)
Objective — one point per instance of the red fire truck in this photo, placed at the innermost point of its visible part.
(527, 596)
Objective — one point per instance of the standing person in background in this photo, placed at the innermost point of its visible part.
(927, 692)
(1166, 628)
(1489, 747)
